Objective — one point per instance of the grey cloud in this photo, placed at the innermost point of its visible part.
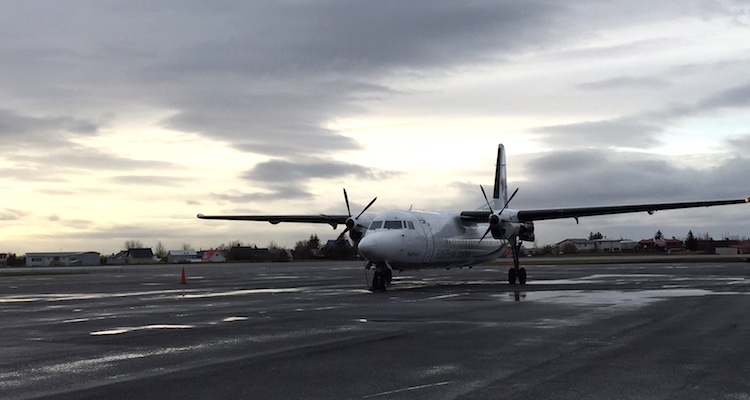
(78, 224)
(738, 96)
(152, 180)
(266, 77)
(30, 172)
(638, 130)
(273, 192)
(19, 130)
(739, 144)
(625, 83)
(9, 214)
(284, 170)
(71, 223)
(596, 177)
(283, 179)
(60, 164)
(629, 131)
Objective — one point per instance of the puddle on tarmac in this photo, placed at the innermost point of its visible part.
(634, 298)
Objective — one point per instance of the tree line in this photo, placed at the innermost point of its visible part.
(311, 248)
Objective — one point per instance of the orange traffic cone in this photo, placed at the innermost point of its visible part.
(183, 281)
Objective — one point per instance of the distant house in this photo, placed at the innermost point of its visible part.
(580, 245)
(726, 246)
(3, 259)
(141, 256)
(214, 256)
(661, 245)
(613, 245)
(62, 259)
(133, 256)
(181, 256)
(249, 254)
(597, 245)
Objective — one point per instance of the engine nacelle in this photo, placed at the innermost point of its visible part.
(506, 230)
(526, 232)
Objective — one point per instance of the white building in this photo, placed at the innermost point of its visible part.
(3, 260)
(580, 245)
(614, 245)
(62, 259)
(597, 245)
(181, 256)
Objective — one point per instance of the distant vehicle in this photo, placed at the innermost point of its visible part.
(408, 240)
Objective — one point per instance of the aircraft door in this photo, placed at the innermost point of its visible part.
(430, 241)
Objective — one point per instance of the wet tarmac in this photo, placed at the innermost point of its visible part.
(313, 331)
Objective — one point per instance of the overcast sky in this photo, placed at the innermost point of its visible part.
(122, 120)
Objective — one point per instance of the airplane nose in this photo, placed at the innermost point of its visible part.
(368, 248)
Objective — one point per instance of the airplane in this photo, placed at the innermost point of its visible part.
(410, 240)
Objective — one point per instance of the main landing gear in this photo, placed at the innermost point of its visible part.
(516, 273)
(382, 277)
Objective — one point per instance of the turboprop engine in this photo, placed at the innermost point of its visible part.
(356, 226)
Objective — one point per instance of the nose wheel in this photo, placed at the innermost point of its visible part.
(381, 278)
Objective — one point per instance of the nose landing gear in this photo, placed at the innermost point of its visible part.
(381, 278)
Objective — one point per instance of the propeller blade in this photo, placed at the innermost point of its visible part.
(341, 236)
(511, 198)
(346, 198)
(368, 206)
(485, 233)
(486, 199)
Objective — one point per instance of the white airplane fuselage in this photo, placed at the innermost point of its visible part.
(405, 240)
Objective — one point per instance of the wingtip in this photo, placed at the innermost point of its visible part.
(200, 215)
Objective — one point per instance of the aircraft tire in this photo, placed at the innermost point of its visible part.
(388, 276)
(379, 281)
(522, 276)
(512, 276)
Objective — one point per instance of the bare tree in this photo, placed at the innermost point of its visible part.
(133, 244)
(160, 250)
(187, 246)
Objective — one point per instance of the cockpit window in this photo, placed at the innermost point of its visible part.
(411, 224)
(376, 225)
(392, 225)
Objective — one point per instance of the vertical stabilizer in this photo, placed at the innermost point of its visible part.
(500, 193)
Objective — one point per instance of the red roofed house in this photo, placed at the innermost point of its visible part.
(214, 256)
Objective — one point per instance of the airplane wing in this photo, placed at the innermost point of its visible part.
(577, 212)
(332, 220)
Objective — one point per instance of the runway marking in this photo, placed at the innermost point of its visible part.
(233, 319)
(242, 292)
(408, 389)
(82, 296)
(76, 320)
(119, 331)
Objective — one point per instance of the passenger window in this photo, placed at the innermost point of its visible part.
(411, 224)
(376, 225)
(392, 225)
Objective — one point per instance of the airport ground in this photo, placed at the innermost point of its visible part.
(667, 330)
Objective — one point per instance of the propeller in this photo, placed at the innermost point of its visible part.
(352, 222)
(494, 218)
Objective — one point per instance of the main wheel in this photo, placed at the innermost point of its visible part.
(512, 276)
(522, 276)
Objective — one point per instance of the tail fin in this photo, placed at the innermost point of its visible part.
(500, 193)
